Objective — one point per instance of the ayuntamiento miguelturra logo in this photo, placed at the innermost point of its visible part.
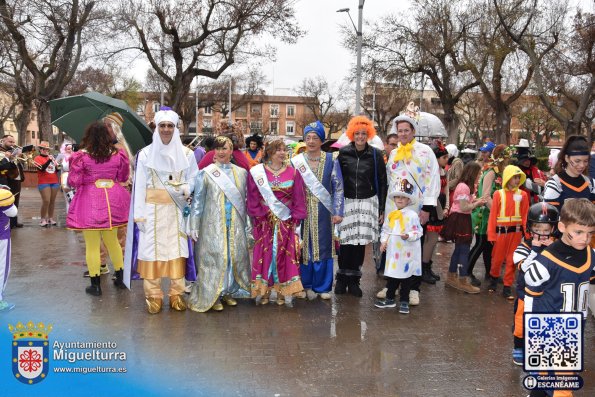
(30, 351)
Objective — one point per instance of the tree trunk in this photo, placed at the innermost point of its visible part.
(572, 128)
(503, 119)
(451, 121)
(21, 121)
(44, 121)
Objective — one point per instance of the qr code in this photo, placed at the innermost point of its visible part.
(553, 341)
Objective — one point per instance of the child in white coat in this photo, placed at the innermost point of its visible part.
(401, 239)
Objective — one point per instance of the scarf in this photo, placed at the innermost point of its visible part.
(394, 216)
(404, 152)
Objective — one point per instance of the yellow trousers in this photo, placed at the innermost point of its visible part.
(92, 243)
(121, 239)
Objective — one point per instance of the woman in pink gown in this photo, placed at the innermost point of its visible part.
(101, 204)
(276, 204)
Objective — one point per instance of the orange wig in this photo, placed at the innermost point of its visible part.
(358, 123)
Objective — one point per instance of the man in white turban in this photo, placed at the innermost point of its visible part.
(164, 179)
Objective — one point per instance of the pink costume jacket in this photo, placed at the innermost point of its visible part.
(100, 202)
(272, 235)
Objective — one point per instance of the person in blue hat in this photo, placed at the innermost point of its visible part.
(324, 201)
(485, 152)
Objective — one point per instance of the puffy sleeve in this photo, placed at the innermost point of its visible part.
(207, 159)
(254, 201)
(77, 170)
(191, 171)
(198, 200)
(337, 186)
(298, 197)
(124, 167)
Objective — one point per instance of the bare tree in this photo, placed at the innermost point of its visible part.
(110, 81)
(477, 119)
(8, 103)
(190, 38)
(48, 38)
(329, 107)
(245, 85)
(496, 61)
(563, 56)
(537, 124)
(426, 41)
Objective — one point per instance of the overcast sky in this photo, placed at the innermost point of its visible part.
(320, 52)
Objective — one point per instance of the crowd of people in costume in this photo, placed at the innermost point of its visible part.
(220, 222)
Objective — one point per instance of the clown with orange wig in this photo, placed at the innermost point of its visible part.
(364, 186)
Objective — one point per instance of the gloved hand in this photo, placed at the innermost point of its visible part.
(186, 191)
(141, 226)
(194, 235)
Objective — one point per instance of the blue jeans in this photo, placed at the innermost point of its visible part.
(460, 255)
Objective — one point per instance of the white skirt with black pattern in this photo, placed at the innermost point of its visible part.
(360, 221)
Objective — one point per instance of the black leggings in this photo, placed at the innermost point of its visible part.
(391, 287)
(481, 246)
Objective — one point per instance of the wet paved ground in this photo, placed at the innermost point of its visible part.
(451, 345)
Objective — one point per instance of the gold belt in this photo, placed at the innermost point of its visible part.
(158, 196)
(104, 183)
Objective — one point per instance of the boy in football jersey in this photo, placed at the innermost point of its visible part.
(541, 222)
(558, 279)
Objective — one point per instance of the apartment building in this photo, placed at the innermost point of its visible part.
(268, 115)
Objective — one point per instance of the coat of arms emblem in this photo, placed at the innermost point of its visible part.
(30, 351)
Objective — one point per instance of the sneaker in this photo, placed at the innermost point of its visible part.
(507, 293)
(6, 306)
(43, 223)
(404, 308)
(52, 222)
(474, 281)
(518, 356)
(493, 286)
(325, 295)
(382, 293)
(383, 303)
(102, 270)
(413, 297)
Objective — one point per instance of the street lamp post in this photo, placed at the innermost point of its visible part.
(358, 31)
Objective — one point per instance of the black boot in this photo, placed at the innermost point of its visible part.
(119, 281)
(426, 276)
(341, 284)
(95, 287)
(353, 286)
(434, 275)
